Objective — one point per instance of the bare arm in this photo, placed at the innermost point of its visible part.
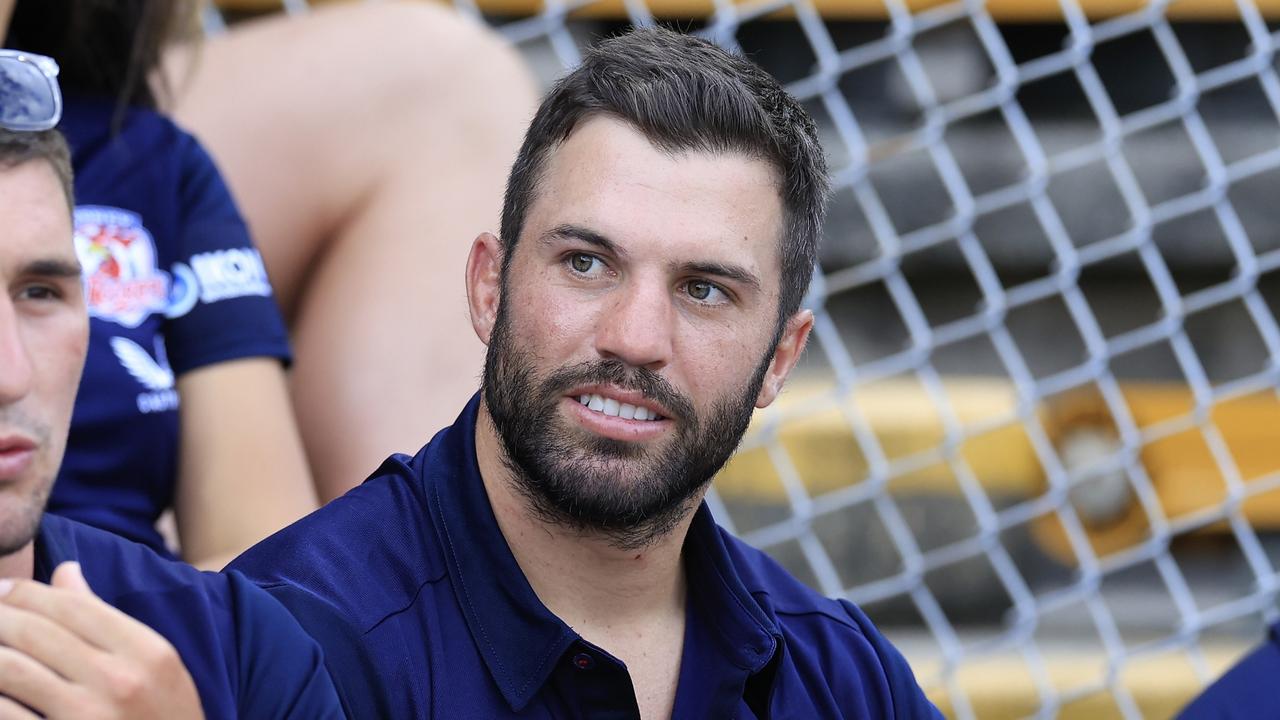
(242, 473)
(366, 242)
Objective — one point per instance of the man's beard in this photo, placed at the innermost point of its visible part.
(629, 494)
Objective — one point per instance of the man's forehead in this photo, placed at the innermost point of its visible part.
(608, 177)
(35, 221)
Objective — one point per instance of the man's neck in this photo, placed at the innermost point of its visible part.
(581, 577)
(20, 564)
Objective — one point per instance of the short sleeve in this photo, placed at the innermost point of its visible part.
(221, 302)
(281, 668)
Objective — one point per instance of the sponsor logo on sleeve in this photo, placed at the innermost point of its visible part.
(231, 273)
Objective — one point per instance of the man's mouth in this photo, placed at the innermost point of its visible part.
(613, 408)
(16, 455)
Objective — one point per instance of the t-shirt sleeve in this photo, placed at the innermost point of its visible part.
(281, 668)
(222, 306)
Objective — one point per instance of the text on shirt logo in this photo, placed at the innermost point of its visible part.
(231, 273)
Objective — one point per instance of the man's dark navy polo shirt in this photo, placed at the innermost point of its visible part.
(1246, 691)
(422, 611)
(247, 656)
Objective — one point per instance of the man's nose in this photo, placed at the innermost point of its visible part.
(15, 361)
(637, 326)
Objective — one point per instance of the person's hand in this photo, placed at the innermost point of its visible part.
(64, 653)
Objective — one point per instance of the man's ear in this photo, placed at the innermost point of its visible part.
(790, 346)
(484, 284)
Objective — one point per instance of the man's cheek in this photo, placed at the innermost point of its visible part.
(69, 356)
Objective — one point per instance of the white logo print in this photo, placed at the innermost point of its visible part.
(231, 273)
(153, 373)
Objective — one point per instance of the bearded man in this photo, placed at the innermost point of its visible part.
(549, 555)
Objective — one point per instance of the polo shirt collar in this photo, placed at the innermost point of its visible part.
(50, 550)
(519, 638)
(749, 637)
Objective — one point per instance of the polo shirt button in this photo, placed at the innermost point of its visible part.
(583, 661)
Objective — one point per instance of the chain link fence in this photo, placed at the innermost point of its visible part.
(1033, 433)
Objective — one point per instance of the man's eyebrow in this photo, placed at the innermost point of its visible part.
(52, 267)
(576, 232)
(727, 271)
(736, 273)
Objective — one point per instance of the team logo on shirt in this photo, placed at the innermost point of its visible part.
(122, 280)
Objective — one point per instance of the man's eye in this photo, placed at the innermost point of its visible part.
(582, 262)
(705, 292)
(38, 292)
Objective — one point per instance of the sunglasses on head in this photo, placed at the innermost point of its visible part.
(29, 96)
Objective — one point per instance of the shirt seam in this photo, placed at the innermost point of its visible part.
(277, 584)
(850, 624)
(413, 601)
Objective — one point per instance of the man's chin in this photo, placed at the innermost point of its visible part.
(608, 451)
(19, 519)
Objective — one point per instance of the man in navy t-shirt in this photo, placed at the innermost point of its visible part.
(92, 625)
(549, 555)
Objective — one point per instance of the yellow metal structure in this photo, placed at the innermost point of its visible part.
(815, 427)
(1002, 688)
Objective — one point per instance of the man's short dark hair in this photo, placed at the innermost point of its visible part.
(686, 94)
(17, 148)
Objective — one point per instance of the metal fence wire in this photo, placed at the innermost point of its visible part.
(1032, 434)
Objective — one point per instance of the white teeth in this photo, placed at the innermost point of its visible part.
(613, 408)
